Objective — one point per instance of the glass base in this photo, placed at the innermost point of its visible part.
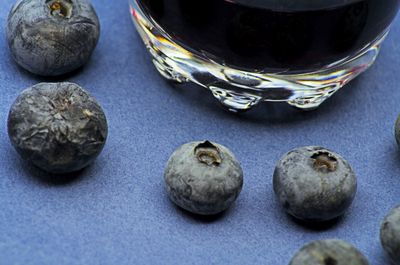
(240, 90)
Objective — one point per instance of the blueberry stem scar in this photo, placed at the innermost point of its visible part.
(324, 161)
(208, 154)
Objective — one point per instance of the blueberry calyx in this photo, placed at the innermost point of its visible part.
(208, 154)
(62, 8)
(324, 162)
(62, 105)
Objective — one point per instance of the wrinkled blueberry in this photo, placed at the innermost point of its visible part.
(58, 127)
(329, 252)
(52, 37)
(390, 235)
(314, 184)
(203, 177)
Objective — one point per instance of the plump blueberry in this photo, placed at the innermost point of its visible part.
(390, 235)
(329, 252)
(52, 37)
(314, 184)
(58, 127)
(203, 177)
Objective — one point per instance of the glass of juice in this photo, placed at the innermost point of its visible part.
(248, 51)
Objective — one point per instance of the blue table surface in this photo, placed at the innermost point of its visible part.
(117, 212)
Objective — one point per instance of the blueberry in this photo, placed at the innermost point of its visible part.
(397, 130)
(52, 37)
(314, 184)
(329, 252)
(203, 177)
(58, 127)
(390, 235)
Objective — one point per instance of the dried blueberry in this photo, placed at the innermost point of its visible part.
(52, 37)
(203, 177)
(314, 184)
(390, 235)
(58, 127)
(329, 252)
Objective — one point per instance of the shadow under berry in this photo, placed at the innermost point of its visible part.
(44, 177)
(205, 219)
(318, 226)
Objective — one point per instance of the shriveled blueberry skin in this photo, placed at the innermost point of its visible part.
(58, 127)
(314, 184)
(203, 177)
(329, 252)
(52, 37)
(390, 235)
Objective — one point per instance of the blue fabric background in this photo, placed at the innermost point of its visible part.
(116, 211)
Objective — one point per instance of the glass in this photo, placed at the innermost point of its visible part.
(249, 51)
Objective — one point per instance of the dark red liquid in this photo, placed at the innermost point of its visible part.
(259, 38)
